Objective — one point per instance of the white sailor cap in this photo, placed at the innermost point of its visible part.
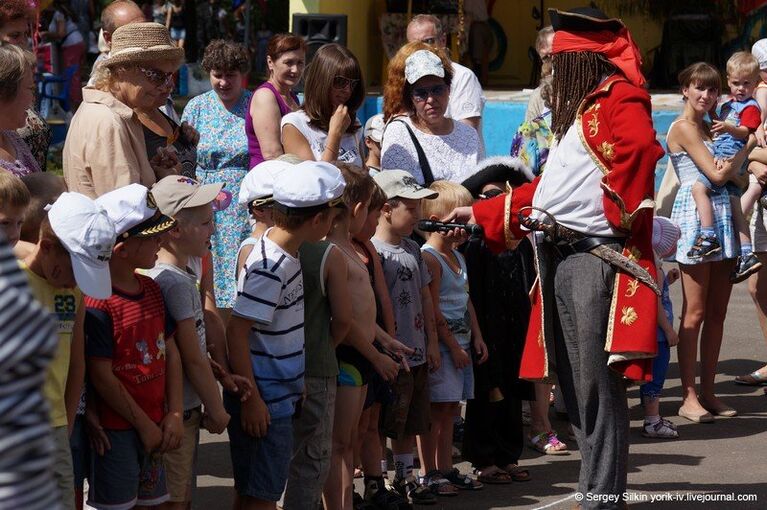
(308, 186)
(258, 184)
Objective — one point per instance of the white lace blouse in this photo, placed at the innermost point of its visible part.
(452, 157)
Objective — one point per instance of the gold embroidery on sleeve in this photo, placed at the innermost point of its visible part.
(629, 316)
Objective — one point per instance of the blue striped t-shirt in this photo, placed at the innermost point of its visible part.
(270, 291)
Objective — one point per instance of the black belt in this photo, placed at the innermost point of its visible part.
(587, 244)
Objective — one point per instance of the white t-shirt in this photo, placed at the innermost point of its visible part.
(452, 157)
(349, 152)
(73, 35)
(466, 98)
(570, 189)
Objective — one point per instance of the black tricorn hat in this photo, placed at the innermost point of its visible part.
(583, 19)
(508, 169)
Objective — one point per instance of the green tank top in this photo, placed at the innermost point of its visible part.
(320, 354)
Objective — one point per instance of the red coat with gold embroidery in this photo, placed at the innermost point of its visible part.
(615, 125)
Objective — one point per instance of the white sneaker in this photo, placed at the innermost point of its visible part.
(661, 429)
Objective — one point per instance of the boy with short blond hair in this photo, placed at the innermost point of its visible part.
(265, 334)
(133, 363)
(459, 335)
(191, 205)
(738, 118)
(69, 258)
(407, 279)
(14, 199)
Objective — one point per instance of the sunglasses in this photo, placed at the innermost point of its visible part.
(156, 77)
(341, 82)
(422, 93)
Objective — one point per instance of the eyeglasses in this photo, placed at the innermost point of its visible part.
(422, 93)
(156, 77)
(341, 82)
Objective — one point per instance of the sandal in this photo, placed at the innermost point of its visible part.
(755, 378)
(517, 473)
(439, 485)
(463, 482)
(493, 475)
(548, 443)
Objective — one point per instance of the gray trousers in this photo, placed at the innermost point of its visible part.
(580, 287)
(312, 445)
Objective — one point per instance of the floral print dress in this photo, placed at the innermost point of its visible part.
(222, 156)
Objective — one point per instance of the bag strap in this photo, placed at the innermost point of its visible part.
(423, 161)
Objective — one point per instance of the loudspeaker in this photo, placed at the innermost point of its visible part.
(319, 29)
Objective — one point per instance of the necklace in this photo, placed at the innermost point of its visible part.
(355, 256)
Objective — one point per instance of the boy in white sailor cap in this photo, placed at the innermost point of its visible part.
(256, 194)
(70, 258)
(133, 362)
(266, 334)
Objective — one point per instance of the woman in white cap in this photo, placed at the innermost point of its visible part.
(105, 146)
(418, 137)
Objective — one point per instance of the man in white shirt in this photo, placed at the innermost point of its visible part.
(466, 97)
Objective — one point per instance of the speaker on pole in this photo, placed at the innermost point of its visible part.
(319, 29)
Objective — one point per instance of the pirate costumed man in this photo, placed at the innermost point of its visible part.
(593, 322)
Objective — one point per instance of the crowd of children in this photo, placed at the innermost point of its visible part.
(345, 334)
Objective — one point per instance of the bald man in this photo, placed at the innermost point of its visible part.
(115, 15)
(466, 99)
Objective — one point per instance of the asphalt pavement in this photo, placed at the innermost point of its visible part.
(710, 466)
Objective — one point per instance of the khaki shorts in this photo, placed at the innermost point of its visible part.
(62, 467)
(179, 463)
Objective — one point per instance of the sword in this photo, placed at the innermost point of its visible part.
(556, 232)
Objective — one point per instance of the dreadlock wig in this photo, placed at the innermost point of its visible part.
(576, 74)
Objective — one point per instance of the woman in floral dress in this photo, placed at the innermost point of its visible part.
(222, 153)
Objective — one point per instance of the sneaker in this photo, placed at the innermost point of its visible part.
(661, 429)
(416, 493)
(745, 267)
(704, 246)
(384, 498)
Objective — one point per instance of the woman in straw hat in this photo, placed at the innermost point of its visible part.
(106, 147)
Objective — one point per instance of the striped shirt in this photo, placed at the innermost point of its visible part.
(270, 292)
(27, 343)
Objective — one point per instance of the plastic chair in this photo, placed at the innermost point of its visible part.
(47, 86)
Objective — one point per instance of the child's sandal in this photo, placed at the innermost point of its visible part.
(548, 443)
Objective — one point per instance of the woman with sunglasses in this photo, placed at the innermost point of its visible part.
(326, 126)
(418, 137)
(222, 154)
(106, 145)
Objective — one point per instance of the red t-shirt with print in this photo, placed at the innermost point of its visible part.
(130, 330)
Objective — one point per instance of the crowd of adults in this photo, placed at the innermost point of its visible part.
(125, 131)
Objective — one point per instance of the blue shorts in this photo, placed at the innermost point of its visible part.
(178, 34)
(80, 446)
(126, 476)
(260, 465)
(450, 384)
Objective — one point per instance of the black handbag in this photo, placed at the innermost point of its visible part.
(423, 161)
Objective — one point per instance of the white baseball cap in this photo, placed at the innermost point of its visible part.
(134, 212)
(423, 63)
(759, 51)
(258, 184)
(88, 234)
(308, 185)
(374, 127)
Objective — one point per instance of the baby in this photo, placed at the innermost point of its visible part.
(738, 118)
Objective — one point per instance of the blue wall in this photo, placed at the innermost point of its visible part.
(501, 119)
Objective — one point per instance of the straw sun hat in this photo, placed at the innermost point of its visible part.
(142, 42)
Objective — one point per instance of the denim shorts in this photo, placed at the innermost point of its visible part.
(177, 34)
(126, 476)
(78, 443)
(260, 464)
(450, 384)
